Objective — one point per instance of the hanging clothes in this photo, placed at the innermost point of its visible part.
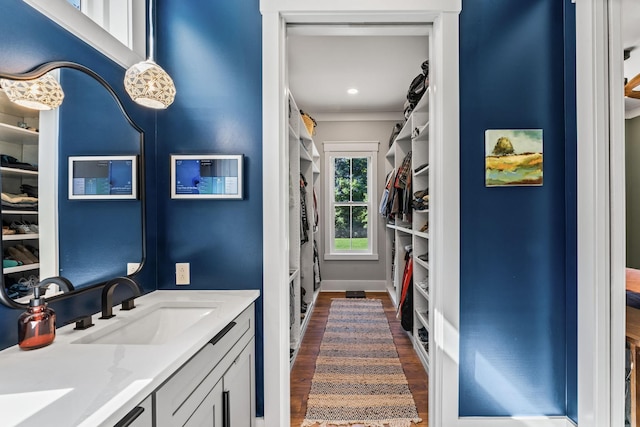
(405, 306)
(304, 220)
(317, 277)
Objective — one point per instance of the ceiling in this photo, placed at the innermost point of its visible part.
(631, 40)
(381, 62)
(324, 63)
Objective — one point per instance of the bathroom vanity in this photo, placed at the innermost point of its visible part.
(179, 358)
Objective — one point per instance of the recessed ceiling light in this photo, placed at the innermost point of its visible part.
(352, 91)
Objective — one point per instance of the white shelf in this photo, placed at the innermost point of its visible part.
(17, 172)
(316, 169)
(422, 353)
(423, 133)
(28, 236)
(17, 212)
(422, 172)
(304, 154)
(421, 234)
(392, 152)
(421, 262)
(21, 268)
(308, 313)
(293, 133)
(423, 320)
(293, 275)
(18, 135)
(422, 292)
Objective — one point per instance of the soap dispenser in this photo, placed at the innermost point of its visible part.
(37, 325)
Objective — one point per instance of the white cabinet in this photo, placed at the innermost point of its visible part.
(412, 229)
(238, 390)
(209, 413)
(216, 384)
(304, 177)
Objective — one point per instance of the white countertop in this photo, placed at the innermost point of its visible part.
(67, 384)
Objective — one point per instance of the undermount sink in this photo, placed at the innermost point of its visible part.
(152, 327)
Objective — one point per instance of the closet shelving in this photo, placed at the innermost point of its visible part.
(21, 143)
(304, 166)
(413, 232)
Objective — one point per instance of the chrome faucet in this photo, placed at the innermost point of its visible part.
(107, 295)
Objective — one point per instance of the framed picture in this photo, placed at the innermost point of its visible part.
(206, 176)
(103, 177)
(513, 157)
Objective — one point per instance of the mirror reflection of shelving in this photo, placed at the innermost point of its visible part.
(19, 139)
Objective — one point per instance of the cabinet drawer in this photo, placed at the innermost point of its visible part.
(180, 395)
(140, 416)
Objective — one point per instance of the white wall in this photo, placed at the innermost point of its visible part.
(358, 273)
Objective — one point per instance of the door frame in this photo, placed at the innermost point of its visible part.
(443, 16)
(601, 213)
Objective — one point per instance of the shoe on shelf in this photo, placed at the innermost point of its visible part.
(33, 228)
(20, 227)
(420, 194)
(425, 227)
(28, 254)
(18, 255)
(7, 231)
(8, 263)
(424, 257)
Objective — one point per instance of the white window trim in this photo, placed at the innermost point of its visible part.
(80, 25)
(359, 149)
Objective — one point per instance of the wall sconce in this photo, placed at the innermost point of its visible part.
(42, 93)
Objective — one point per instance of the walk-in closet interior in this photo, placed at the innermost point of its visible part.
(363, 92)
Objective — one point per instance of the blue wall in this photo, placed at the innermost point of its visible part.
(213, 51)
(516, 243)
(29, 39)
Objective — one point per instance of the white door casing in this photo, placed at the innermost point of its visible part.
(443, 15)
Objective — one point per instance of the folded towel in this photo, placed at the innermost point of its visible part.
(18, 198)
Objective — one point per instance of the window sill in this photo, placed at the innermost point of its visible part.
(350, 257)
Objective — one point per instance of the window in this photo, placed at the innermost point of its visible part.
(116, 28)
(351, 175)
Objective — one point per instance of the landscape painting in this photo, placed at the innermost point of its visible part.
(513, 157)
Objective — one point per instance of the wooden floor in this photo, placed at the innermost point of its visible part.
(305, 363)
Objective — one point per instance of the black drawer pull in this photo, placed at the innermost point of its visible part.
(130, 417)
(222, 333)
(226, 410)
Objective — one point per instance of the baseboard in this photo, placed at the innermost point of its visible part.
(354, 285)
(515, 422)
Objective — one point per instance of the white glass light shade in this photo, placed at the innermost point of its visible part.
(43, 93)
(149, 85)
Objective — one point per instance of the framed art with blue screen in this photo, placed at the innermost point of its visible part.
(206, 176)
(103, 177)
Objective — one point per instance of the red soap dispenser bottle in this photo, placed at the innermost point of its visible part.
(37, 325)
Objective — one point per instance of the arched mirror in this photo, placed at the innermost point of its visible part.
(87, 240)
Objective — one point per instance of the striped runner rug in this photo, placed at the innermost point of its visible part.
(359, 377)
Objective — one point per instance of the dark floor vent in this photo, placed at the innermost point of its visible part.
(356, 294)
